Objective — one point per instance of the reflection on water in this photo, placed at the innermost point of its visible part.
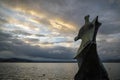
(48, 71)
(37, 71)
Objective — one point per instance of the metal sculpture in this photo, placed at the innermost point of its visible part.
(89, 63)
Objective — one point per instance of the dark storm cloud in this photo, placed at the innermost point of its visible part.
(110, 50)
(21, 32)
(54, 53)
(6, 41)
(32, 40)
(108, 46)
(20, 49)
(106, 29)
(4, 36)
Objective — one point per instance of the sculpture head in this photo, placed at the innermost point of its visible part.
(89, 30)
(86, 18)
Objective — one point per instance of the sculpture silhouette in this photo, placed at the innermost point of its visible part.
(90, 66)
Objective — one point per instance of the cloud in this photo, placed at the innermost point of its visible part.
(108, 46)
(45, 29)
(6, 54)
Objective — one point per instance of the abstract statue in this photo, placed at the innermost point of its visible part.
(89, 63)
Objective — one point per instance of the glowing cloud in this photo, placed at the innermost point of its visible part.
(29, 21)
(61, 25)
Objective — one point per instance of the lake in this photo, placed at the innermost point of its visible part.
(48, 71)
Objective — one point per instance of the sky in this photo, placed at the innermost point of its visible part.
(44, 30)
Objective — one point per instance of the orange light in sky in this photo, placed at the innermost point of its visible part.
(36, 23)
(61, 25)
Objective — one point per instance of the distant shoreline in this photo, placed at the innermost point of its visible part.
(17, 60)
(52, 62)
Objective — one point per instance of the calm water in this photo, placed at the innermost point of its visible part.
(48, 71)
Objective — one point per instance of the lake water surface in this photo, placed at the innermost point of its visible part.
(48, 71)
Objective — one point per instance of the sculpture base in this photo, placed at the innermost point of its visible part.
(90, 66)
